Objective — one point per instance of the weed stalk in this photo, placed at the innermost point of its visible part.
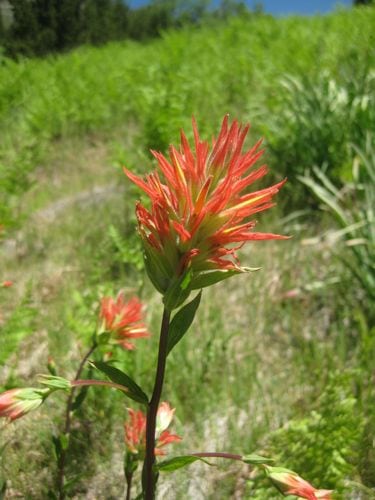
(68, 418)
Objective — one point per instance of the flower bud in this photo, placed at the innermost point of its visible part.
(16, 403)
(51, 365)
(290, 483)
(164, 417)
(55, 383)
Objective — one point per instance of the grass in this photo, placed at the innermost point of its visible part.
(258, 364)
(160, 85)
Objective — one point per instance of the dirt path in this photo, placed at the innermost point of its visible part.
(44, 257)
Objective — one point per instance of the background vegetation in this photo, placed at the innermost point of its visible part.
(280, 362)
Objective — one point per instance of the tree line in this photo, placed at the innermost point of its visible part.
(40, 27)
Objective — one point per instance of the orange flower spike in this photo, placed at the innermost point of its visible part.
(135, 431)
(123, 320)
(290, 483)
(199, 208)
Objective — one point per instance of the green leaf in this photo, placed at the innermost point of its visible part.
(3, 487)
(80, 398)
(178, 291)
(326, 197)
(68, 485)
(181, 322)
(61, 443)
(257, 459)
(130, 463)
(57, 445)
(119, 377)
(178, 462)
(211, 277)
(64, 440)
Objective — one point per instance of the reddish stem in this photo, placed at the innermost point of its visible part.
(148, 473)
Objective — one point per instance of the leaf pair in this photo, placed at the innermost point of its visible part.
(120, 378)
(175, 463)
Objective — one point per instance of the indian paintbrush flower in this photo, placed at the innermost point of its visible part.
(122, 320)
(16, 403)
(201, 210)
(135, 430)
(290, 483)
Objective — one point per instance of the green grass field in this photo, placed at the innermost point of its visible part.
(279, 362)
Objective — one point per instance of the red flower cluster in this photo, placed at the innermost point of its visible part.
(200, 208)
(122, 319)
(135, 430)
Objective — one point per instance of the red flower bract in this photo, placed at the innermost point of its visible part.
(135, 430)
(123, 319)
(200, 209)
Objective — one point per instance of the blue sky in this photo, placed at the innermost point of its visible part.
(282, 7)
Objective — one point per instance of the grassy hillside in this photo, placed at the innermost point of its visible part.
(236, 67)
(280, 361)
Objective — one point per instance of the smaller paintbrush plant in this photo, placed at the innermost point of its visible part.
(200, 212)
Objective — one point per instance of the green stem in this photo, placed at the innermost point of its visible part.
(129, 478)
(148, 473)
(230, 456)
(68, 416)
